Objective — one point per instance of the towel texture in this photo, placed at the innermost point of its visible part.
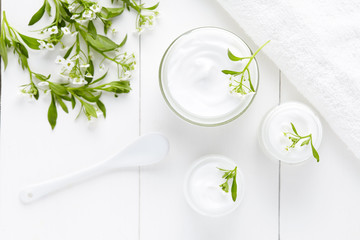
(316, 44)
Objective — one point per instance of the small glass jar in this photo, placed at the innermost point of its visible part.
(202, 186)
(191, 78)
(276, 126)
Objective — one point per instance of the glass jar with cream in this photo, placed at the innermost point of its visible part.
(291, 133)
(192, 81)
(203, 186)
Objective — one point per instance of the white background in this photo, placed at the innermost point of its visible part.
(311, 201)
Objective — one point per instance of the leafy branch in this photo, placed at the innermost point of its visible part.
(238, 79)
(229, 174)
(304, 140)
(76, 82)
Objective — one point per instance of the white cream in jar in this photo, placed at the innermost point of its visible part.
(278, 121)
(202, 189)
(191, 79)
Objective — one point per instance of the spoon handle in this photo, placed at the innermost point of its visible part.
(40, 190)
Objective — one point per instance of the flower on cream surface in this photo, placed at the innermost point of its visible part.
(42, 44)
(74, 6)
(78, 81)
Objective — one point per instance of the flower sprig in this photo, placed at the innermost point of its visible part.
(240, 81)
(76, 82)
(304, 140)
(229, 174)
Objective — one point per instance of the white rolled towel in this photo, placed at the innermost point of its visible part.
(316, 44)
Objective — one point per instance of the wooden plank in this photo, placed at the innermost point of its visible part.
(164, 211)
(102, 208)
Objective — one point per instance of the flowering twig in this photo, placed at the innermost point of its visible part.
(75, 83)
(237, 84)
(305, 140)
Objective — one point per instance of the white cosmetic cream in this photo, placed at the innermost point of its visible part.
(202, 189)
(191, 79)
(277, 121)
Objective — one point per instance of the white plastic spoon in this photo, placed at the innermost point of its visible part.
(147, 149)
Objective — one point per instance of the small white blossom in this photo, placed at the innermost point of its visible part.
(52, 30)
(127, 75)
(89, 75)
(43, 85)
(42, 44)
(60, 60)
(73, 6)
(89, 15)
(68, 65)
(114, 31)
(50, 46)
(95, 8)
(84, 65)
(79, 81)
(74, 16)
(66, 30)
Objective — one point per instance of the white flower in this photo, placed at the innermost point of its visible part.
(65, 30)
(95, 8)
(52, 30)
(73, 6)
(50, 46)
(60, 60)
(113, 30)
(127, 75)
(69, 64)
(42, 44)
(43, 85)
(89, 15)
(79, 81)
(84, 65)
(102, 67)
(74, 16)
(89, 75)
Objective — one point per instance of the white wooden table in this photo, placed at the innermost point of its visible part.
(311, 201)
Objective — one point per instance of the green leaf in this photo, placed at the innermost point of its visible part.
(101, 107)
(3, 53)
(92, 29)
(90, 70)
(108, 13)
(68, 52)
(117, 87)
(123, 41)
(234, 189)
(62, 104)
(99, 79)
(48, 8)
(230, 72)
(58, 89)
(88, 96)
(306, 142)
(30, 41)
(101, 43)
(42, 77)
(52, 112)
(90, 109)
(153, 7)
(232, 57)
(73, 102)
(22, 49)
(314, 152)
(38, 15)
(294, 129)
